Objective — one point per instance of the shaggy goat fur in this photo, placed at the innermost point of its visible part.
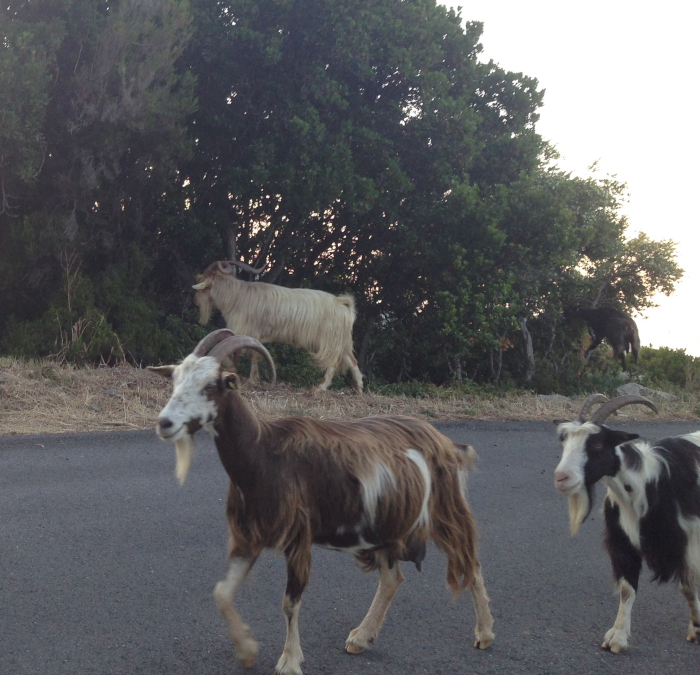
(612, 325)
(378, 488)
(316, 321)
(652, 509)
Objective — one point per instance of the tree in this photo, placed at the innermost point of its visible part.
(96, 126)
(352, 145)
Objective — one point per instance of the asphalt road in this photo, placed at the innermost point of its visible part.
(107, 566)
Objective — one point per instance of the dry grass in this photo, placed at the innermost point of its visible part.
(42, 397)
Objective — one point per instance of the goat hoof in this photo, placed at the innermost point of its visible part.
(247, 652)
(351, 648)
(484, 641)
(615, 640)
(288, 665)
(355, 645)
(614, 647)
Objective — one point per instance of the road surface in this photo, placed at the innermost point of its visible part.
(107, 567)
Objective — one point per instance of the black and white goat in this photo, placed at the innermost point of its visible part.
(652, 506)
(378, 488)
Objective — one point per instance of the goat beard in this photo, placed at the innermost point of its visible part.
(205, 304)
(580, 505)
(184, 447)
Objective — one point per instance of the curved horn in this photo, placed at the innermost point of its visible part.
(206, 343)
(248, 268)
(224, 266)
(589, 403)
(235, 343)
(611, 406)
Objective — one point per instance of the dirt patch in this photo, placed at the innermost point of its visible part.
(42, 397)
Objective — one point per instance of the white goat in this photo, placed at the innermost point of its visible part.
(652, 507)
(378, 488)
(316, 321)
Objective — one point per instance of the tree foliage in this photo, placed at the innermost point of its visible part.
(359, 146)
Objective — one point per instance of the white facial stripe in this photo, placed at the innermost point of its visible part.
(373, 487)
(424, 517)
(188, 402)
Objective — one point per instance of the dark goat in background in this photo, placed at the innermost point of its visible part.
(610, 324)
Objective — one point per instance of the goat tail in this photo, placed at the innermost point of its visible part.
(454, 532)
(331, 346)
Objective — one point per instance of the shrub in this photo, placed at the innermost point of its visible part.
(664, 366)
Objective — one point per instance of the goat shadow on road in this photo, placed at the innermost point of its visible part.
(108, 566)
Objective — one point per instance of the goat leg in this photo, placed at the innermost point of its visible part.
(591, 349)
(616, 638)
(298, 572)
(350, 363)
(627, 564)
(246, 646)
(483, 633)
(390, 578)
(254, 371)
(327, 379)
(691, 596)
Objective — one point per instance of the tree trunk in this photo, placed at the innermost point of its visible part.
(529, 351)
(232, 232)
(458, 369)
(600, 292)
(364, 345)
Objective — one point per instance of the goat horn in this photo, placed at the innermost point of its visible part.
(235, 343)
(248, 268)
(611, 406)
(589, 403)
(206, 343)
(225, 266)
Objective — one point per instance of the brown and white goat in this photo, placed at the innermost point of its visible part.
(379, 488)
(652, 506)
(316, 321)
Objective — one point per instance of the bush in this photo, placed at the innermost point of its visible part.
(664, 366)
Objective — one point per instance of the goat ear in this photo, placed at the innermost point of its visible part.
(202, 285)
(231, 380)
(620, 437)
(163, 371)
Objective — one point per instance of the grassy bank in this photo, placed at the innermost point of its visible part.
(42, 397)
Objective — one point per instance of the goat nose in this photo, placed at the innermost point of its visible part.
(561, 477)
(164, 423)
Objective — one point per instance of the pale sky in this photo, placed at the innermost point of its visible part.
(621, 88)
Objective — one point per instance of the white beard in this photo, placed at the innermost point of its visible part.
(578, 508)
(184, 447)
